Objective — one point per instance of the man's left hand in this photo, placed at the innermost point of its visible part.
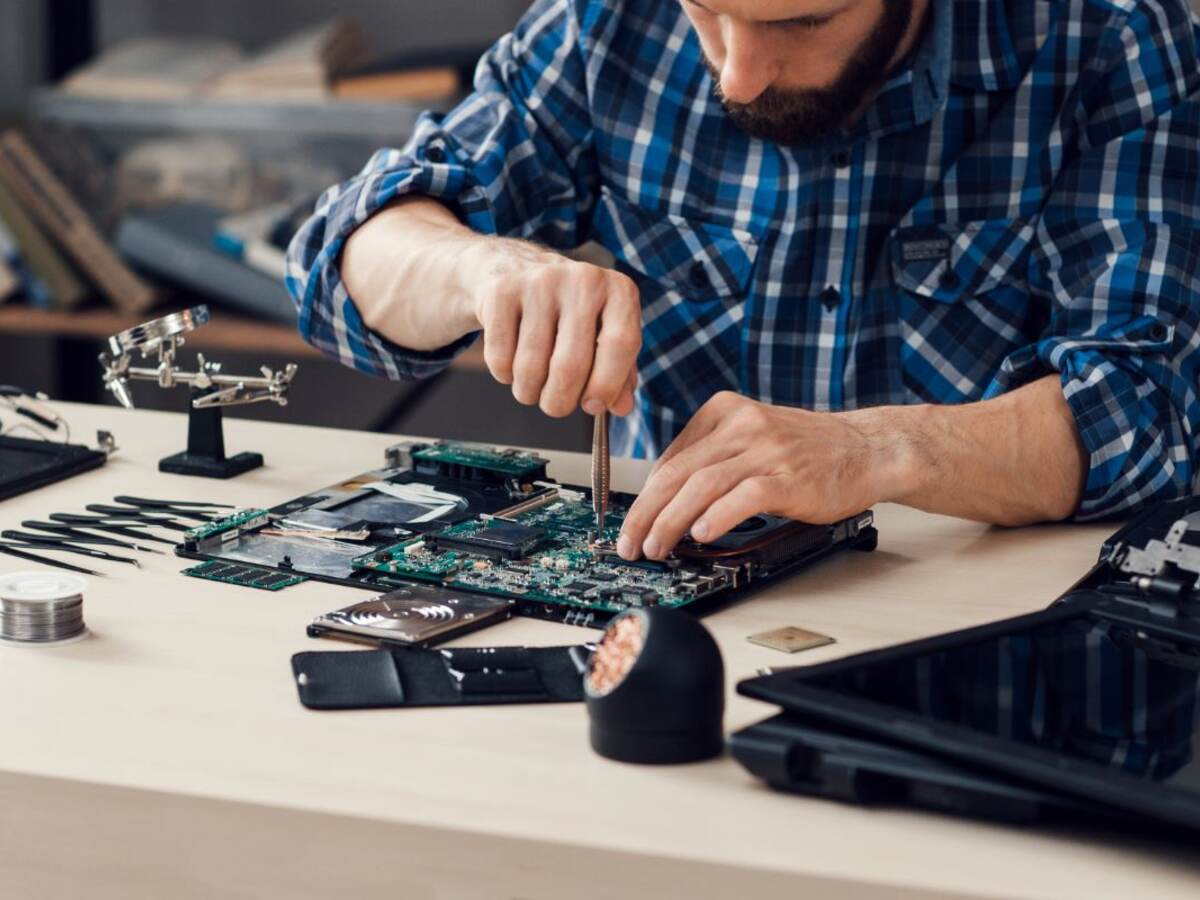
(738, 457)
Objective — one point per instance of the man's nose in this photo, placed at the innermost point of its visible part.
(749, 69)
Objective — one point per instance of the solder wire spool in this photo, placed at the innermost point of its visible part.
(41, 609)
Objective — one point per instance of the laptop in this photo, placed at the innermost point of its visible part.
(1093, 700)
(27, 464)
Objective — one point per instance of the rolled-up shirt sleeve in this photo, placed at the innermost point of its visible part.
(1117, 256)
(515, 158)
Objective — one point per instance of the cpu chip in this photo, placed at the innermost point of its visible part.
(790, 639)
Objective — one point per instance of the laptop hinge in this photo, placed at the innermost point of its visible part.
(1165, 571)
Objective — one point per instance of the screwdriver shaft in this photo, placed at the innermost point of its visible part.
(600, 471)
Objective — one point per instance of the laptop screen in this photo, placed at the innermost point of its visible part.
(1084, 687)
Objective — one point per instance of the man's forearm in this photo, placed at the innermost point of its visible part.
(404, 267)
(1012, 460)
(564, 333)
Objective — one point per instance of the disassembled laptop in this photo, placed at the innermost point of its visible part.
(490, 521)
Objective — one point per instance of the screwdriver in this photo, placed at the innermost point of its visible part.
(600, 471)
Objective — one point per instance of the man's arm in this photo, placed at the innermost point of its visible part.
(400, 267)
(562, 333)
(1013, 460)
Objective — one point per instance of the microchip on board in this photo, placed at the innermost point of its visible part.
(508, 540)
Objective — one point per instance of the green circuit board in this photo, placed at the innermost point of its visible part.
(449, 456)
(548, 555)
(248, 518)
(504, 529)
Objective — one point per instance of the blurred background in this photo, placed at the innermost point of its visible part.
(180, 145)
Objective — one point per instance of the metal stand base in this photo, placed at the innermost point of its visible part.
(205, 453)
(205, 466)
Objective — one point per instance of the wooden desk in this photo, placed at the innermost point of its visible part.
(168, 756)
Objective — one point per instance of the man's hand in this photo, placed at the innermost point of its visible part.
(1012, 460)
(737, 458)
(563, 333)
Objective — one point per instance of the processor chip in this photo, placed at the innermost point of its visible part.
(790, 639)
(507, 540)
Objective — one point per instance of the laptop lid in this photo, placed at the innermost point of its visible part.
(1095, 696)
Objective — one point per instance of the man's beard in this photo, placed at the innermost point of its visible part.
(800, 116)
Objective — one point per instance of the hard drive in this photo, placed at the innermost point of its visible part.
(416, 616)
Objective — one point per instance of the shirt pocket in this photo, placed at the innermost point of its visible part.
(951, 263)
(963, 302)
(690, 259)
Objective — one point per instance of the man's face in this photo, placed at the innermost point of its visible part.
(791, 71)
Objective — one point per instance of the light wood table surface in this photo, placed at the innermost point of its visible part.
(167, 755)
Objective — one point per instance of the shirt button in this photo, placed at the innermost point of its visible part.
(841, 159)
(831, 297)
(1158, 332)
(435, 153)
(697, 276)
(949, 280)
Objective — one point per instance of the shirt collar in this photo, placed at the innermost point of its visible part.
(913, 93)
(984, 56)
(967, 44)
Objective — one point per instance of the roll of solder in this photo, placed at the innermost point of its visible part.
(655, 689)
(41, 609)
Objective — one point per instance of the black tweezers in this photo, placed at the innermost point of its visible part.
(66, 547)
(81, 537)
(137, 515)
(170, 504)
(125, 525)
(46, 561)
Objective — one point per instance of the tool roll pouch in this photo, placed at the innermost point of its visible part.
(466, 676)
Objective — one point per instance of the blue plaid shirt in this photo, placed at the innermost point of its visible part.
(1021, 198)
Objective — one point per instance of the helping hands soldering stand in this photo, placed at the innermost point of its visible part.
(210, 391)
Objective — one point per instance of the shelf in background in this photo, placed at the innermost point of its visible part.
(340, 118)
(227, 331)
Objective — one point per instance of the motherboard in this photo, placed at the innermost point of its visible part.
(490, 521)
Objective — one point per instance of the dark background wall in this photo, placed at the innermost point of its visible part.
(22, 54)
(394, 25)
(465, 404)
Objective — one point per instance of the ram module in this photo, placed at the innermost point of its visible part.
(244, 576)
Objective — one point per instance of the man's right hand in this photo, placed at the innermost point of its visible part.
(563, 333)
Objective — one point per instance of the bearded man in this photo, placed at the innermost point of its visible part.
(938, 252)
